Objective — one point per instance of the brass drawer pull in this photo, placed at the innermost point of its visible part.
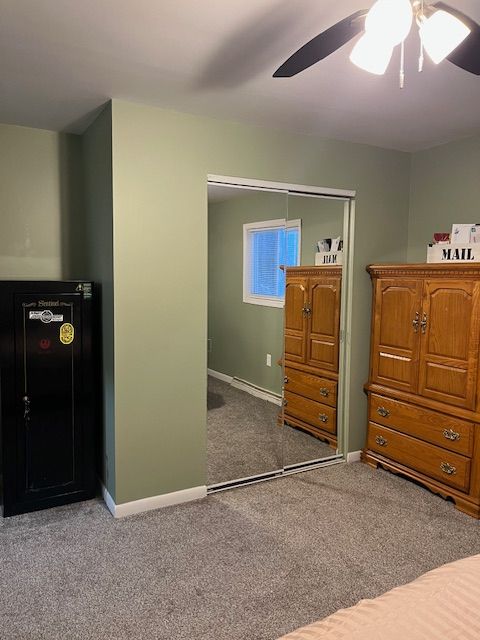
(324, 392)
(380, 440)
(285, 380)
(448, 469)
(306, 312)
(450, 434)
(383, 412)
(323, 417)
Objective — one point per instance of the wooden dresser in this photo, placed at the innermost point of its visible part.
(312, 327)
(423, 390)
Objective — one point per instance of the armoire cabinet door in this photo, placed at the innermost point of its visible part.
(323, 323)
(296, 291)
(450, 336)
(396, 333)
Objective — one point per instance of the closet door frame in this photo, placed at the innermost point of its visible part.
(343, 402)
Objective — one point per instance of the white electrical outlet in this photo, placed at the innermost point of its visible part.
(269, 359)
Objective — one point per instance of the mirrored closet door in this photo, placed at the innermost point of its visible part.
(246, 246)
(277, 283)
(313, 327)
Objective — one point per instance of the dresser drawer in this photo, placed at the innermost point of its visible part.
(314, 413)
(311, 386)
(450, 433)
(450, 468)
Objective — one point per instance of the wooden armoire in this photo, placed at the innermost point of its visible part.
(423, 389)
(312, 328)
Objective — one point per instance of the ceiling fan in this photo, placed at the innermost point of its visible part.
(444, 33)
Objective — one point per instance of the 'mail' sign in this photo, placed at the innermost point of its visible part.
(454, 253)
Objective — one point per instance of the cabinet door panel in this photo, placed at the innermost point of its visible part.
(324, 323)
(295, 319)
(395, 342)
(449, 354)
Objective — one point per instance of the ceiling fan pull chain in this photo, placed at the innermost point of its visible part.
(402, 65)
(421, 58)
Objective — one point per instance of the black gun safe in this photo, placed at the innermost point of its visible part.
(47, 388)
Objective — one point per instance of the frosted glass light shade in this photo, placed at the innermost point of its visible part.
(371, 54)
(441, 34)
(390, 20)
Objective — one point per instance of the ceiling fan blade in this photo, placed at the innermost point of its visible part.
(322, 45)
(467, 54)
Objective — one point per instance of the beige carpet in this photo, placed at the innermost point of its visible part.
(245, 439)
(247, 564)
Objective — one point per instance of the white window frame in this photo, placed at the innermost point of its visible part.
(248, 297)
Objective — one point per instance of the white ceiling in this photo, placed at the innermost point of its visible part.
(61, 59)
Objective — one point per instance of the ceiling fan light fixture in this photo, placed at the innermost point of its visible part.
(390, 20)
(441, 34)
(371, 54)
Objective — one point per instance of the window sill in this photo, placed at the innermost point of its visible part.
(264, 302)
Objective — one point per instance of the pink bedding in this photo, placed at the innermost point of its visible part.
(443, 604)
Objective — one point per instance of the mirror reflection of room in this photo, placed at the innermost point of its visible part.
(273, 331)
(247, 245)
(312, 330)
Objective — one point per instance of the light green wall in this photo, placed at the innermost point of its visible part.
(445, 188)
(160, 164)
(242, 334)
(99, 259)
(41, 203)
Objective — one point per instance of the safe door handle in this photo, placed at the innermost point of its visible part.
(26, 408)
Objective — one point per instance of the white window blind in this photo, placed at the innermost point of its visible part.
(267, 246)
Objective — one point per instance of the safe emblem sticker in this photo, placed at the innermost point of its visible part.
(67, 333)
(45, 316)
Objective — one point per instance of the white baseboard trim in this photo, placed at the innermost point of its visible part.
(154, 502)
(220, 376)
(258, 392)
(248, 387)
(354, 456)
